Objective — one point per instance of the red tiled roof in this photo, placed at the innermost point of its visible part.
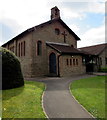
(95, 49)
(65, 49)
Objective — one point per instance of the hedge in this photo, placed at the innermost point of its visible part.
(11, 70)
(103, 70)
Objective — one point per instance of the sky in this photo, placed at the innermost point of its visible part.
(85, 17)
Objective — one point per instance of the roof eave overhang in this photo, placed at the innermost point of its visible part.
(53, 48)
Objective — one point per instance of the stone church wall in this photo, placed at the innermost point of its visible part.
(69, 69)
(34, 65)
(26, 61)
(40, 64)
(47, 33)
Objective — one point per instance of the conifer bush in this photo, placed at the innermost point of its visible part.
(11, 70)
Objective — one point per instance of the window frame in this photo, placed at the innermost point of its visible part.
(57, 31)
(77, 62)
(106, 60)
(67, 62)
(74, 62)
(71, 62)
(39, 48)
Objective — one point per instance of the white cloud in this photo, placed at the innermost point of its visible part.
(74, 10)
(74, 27)
(92, 36)
(25, 12)
(96, 7)
(68, 13)
(77, 1)
(20, 15)
(1, 43)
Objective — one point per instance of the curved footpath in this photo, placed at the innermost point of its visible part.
(58, 101)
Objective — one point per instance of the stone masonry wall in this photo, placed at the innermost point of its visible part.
(40, 64)
(69, 70)
(26, 61)
(32, 64)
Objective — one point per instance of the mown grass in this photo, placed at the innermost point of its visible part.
(23, 102)
(90, 92)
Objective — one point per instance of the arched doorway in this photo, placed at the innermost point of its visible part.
(52, 64)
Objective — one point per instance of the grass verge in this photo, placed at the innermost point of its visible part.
(90, 93)
(23, 102)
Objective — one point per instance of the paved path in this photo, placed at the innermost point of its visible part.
(100, 73)
(58, 101)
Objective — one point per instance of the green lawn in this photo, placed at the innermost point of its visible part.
(23, 102)
(90, 92)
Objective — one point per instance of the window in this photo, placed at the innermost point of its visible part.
(100, 61)
(19, 50)
(39, 48)
(76, 61)
(70, 61)
(67, 62)
(73, 61)
(24, 48)
(106, 60)
(57, 31)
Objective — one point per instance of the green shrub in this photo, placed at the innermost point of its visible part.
(103, 70)
(11, 71)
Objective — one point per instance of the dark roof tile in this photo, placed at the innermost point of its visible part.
(95, 49)
(65, 49)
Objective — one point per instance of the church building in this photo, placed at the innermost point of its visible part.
(48, 49)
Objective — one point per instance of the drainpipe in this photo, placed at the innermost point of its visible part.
(58, 65)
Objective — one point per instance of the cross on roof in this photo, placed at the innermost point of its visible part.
(64, 34)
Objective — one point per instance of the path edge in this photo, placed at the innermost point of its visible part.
(42, 102)
(79, 102)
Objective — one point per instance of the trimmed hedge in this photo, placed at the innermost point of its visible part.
(11, 71)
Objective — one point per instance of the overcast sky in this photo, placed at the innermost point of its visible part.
(86, 19)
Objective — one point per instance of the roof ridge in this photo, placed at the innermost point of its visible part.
(64, 44)
(40, 25)
(93, 45)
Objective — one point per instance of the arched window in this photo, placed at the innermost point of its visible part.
(57, 31)
(24, 48)
(76, 61)
(70, 61)
(73, 61)
(39, 48)
(67, 62)
(19, 50)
